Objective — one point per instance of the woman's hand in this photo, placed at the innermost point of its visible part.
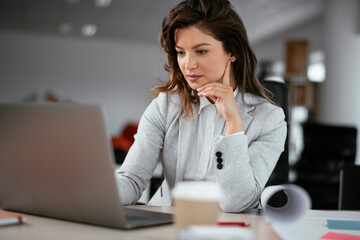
(223, 96)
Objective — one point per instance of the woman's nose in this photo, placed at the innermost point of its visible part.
(190, 63)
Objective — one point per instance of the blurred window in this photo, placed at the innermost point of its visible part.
(316, 69)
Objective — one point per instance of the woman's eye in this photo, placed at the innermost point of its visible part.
(202, 51)
(180, 53)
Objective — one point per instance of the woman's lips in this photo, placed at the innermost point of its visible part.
(193, 77)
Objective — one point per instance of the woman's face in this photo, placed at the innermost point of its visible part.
(201, 58)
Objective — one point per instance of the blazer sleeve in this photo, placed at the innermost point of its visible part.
(135, 173)
(246, 164)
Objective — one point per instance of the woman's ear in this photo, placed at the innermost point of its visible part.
(232, 58)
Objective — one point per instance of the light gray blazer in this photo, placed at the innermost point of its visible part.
(164, 133)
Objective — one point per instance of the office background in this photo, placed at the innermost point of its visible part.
(117, 68)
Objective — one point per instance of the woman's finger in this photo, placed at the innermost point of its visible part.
(210, 85)
(215, 92)
(215, 87)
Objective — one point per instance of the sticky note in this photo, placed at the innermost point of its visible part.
(343, 224)
(339, 236)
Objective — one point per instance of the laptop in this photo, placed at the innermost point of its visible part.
(56, 161)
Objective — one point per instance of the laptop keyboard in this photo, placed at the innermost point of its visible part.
(137, 217)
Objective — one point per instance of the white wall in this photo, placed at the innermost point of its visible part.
(116, 75)
(340, 98)
(274, 48)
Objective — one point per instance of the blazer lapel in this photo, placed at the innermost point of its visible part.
(187, 130)
(245, 111)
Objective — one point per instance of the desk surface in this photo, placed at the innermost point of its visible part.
(312, 226)
(46, 228)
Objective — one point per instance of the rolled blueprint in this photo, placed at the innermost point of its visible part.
(298, 203)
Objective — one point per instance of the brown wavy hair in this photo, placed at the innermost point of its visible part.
(218, 18)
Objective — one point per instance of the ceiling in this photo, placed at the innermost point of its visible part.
(140, 20)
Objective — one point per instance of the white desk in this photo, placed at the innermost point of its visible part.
(312, 226)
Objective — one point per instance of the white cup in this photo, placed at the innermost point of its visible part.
(196, 203)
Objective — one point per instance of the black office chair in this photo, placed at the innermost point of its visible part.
(349, 195)
(326, 150)
(280, 175)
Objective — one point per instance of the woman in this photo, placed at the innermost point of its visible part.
(211, 121)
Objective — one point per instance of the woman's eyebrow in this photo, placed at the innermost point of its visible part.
(196, 46)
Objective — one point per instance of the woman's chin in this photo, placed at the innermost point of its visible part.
(194, 86)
